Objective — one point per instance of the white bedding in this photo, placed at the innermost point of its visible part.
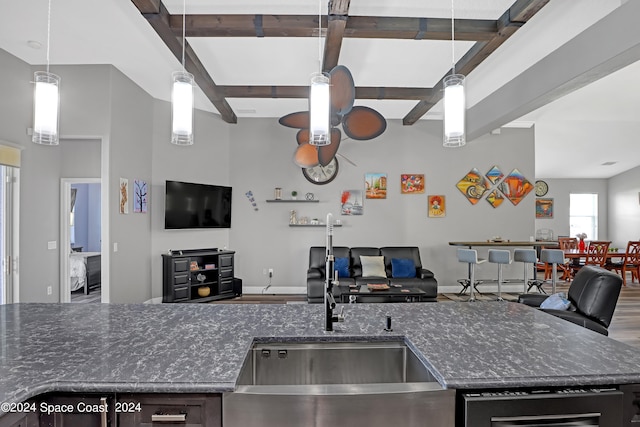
(78, 269)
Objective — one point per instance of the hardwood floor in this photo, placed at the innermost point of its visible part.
(625, 325)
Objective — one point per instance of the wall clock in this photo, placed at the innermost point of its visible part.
(321, 175)
(541, 188)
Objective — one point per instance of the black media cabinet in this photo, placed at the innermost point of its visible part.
(186, 275)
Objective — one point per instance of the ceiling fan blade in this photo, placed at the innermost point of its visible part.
(306, 155)
(347, 159)
(342, 90)
(363, 123)
(326, 153)
(302, 136)
(299, 120)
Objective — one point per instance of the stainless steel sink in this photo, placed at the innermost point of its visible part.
(331, 383)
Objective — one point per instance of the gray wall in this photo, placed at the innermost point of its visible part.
(624, 205)
(261, 155)
(559, 191)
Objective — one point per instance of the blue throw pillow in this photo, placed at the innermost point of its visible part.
(403, 268)
(556, 302)
(342, 266)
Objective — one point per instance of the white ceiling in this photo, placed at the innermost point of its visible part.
(570, 132)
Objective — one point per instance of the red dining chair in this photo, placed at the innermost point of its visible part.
(630, 262)
(596, 254)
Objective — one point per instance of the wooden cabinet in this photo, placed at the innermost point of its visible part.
(188, 410)
(198, 275)
(75, 409)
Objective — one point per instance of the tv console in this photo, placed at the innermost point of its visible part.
(199, 275)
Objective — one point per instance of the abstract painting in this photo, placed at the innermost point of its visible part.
(437, 207)
(515, 187)
(351, 202)
(473, 186)
(544, 208)
(124, 196)
(494, 174)
(495, 198)
(412, 183)
(375, 185)
(139, 196)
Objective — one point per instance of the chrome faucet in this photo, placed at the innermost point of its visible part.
(329, 281)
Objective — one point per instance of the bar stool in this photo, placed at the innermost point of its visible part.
(470, 256)
(500, 257)
(527, 256)
(553, 257)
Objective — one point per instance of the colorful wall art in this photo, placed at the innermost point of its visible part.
(412, 183)
(375, 185)
(495, 198)
(544, 208)
(124, 196)
(494, 175)
(437, 206)
(351, 202)
(515, 187)
(140, 196)
(473, 186)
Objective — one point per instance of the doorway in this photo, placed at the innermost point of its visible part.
(80, 240)
(9, 209)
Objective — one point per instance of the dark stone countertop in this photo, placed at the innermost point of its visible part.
(201, 347)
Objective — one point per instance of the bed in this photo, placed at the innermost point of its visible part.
(85, 270)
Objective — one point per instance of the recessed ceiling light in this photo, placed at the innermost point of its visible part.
(34, 44)
(609, 163)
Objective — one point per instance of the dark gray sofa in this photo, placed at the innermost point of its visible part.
(424, 279)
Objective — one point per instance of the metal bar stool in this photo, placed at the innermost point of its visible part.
(527, 257)
(500, 257)
(470, 256)
(553, 257)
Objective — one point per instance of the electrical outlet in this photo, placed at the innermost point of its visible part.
(49, 290)
(271, 272)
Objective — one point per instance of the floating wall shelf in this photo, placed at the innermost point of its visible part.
(313, 225)
(292, 201)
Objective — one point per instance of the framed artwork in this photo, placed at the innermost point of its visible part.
(473, 186)
(375, 185)
(437, 206)
(494, 175)
(495, 198)
(124, 196)
(411, 183)
(140, 196)
(544, 208)
(515, 187)
(351, 202)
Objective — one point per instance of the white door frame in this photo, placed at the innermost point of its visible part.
(65, 233)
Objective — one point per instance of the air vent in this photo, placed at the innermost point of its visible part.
(609, 163)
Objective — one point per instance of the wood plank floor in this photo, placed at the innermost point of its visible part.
(625, 326)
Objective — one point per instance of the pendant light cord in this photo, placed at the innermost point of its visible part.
(453, 40)
(48, 33)
(184, 13)
(319, 36)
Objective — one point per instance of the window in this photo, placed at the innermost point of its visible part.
(583, 215)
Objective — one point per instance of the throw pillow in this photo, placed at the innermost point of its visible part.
(556, 302)
(342, 267)
(403, 268)
(373, 266)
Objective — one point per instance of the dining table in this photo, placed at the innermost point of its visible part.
(576, 255)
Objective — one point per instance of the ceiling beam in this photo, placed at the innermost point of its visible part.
(367, 27)
(337, 21)
(516, 16)
(159, 21)
(397, 93)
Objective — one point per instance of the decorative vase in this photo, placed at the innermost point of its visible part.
(581, 245)
(204, 291)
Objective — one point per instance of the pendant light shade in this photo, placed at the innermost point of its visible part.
(319, 109)
(454, 111)
(182, 108)
(46, 112)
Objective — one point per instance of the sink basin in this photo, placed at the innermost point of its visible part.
(336, 383)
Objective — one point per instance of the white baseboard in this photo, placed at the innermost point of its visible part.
(156, 300)
(278, 290)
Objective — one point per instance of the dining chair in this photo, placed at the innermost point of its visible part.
(630, 262)
(596, 254)
(565, 244)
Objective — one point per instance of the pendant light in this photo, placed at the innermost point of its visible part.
(454, 101)
(46, 100)
(182, 98)
(319, 98)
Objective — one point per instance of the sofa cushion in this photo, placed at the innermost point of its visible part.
(403, 268)
(342, 267)
(407, 252)
(356, 266)
(372, 266)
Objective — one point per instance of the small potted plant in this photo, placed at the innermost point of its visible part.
(294, 195)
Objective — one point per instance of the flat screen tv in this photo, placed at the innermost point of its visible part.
(189, 205)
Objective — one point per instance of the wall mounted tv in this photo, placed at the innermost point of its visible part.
(189, 205)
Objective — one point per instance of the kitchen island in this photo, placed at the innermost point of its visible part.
(191, 348)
